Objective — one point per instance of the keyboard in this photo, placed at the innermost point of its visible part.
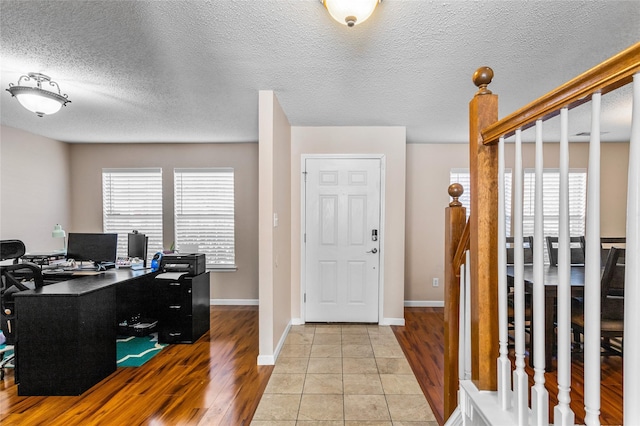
(57, 273)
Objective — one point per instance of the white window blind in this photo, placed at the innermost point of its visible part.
(132, 200)
(204, 214)
(463, 177)
(551, 202)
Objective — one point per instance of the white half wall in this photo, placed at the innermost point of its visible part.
(274, 224)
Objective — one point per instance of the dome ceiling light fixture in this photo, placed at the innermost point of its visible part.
(350, 12)
(35, 98)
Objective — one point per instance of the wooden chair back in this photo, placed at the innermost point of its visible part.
(612, 285)
(605, 245)
(577, 250)
(527, 244)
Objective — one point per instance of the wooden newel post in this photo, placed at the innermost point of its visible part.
(455, 219)
(483, 165)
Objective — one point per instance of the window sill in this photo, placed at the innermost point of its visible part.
(222, 268)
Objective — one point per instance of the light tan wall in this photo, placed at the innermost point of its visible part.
(428, 169)
(88, 160)
(275, 246)
(613, 189)
(34, 188)
(388, 141)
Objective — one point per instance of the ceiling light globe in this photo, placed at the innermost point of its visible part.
(38, 101)
(350, 12)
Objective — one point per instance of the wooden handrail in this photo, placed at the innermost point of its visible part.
(463, 246)
(605, 77)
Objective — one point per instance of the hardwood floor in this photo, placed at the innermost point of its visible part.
(216, 380)
(422, 340)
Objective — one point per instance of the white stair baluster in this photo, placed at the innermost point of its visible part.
(520, 378)
(504, 364)
(563, 415)
(592, 367)
(467, 306)
(631, 389)
(462, 327)
(539, 394)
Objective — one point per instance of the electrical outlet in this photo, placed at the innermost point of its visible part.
(436, 282)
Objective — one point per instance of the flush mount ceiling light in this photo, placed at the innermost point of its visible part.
(350, 12)
(35, 98)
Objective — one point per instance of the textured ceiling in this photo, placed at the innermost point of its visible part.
(190, 71)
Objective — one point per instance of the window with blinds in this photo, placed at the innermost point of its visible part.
(463, 177)
(132, 200)
(204, 214)
(551, 197)
(551, 202)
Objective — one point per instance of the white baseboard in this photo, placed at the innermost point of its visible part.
(392, 321)
(266, 360)
(271, 359)
(385, 321)
(424, 303)
(455, 419)
(252, 302)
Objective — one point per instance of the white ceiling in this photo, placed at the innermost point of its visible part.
(190, 71)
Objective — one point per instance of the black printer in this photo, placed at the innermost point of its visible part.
(192, 263)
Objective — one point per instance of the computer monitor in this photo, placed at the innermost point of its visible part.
(100, 249)
(137, 246)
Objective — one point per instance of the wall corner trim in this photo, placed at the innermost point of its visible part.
(392, 321)
(271, 359)
(266, 360)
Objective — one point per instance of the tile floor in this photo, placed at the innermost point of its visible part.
(342, 375)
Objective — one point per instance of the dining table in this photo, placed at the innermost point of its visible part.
(551, 279)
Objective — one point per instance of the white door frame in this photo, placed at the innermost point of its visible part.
(303, 225)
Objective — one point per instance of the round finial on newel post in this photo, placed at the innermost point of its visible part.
(481, 78)
(455, 191)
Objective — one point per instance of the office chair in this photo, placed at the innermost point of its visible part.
(13, 278)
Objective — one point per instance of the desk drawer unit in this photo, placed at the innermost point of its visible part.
(183, 311)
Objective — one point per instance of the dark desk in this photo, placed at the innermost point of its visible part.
(66, 332)
(550, 294)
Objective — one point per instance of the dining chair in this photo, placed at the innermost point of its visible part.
(576, 246)
(605, 246)
(527, 244)
(611, 303)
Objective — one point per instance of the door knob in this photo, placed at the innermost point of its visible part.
(373, 250)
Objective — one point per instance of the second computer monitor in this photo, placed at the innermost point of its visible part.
(137, 246)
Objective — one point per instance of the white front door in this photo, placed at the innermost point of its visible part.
(342, 217)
